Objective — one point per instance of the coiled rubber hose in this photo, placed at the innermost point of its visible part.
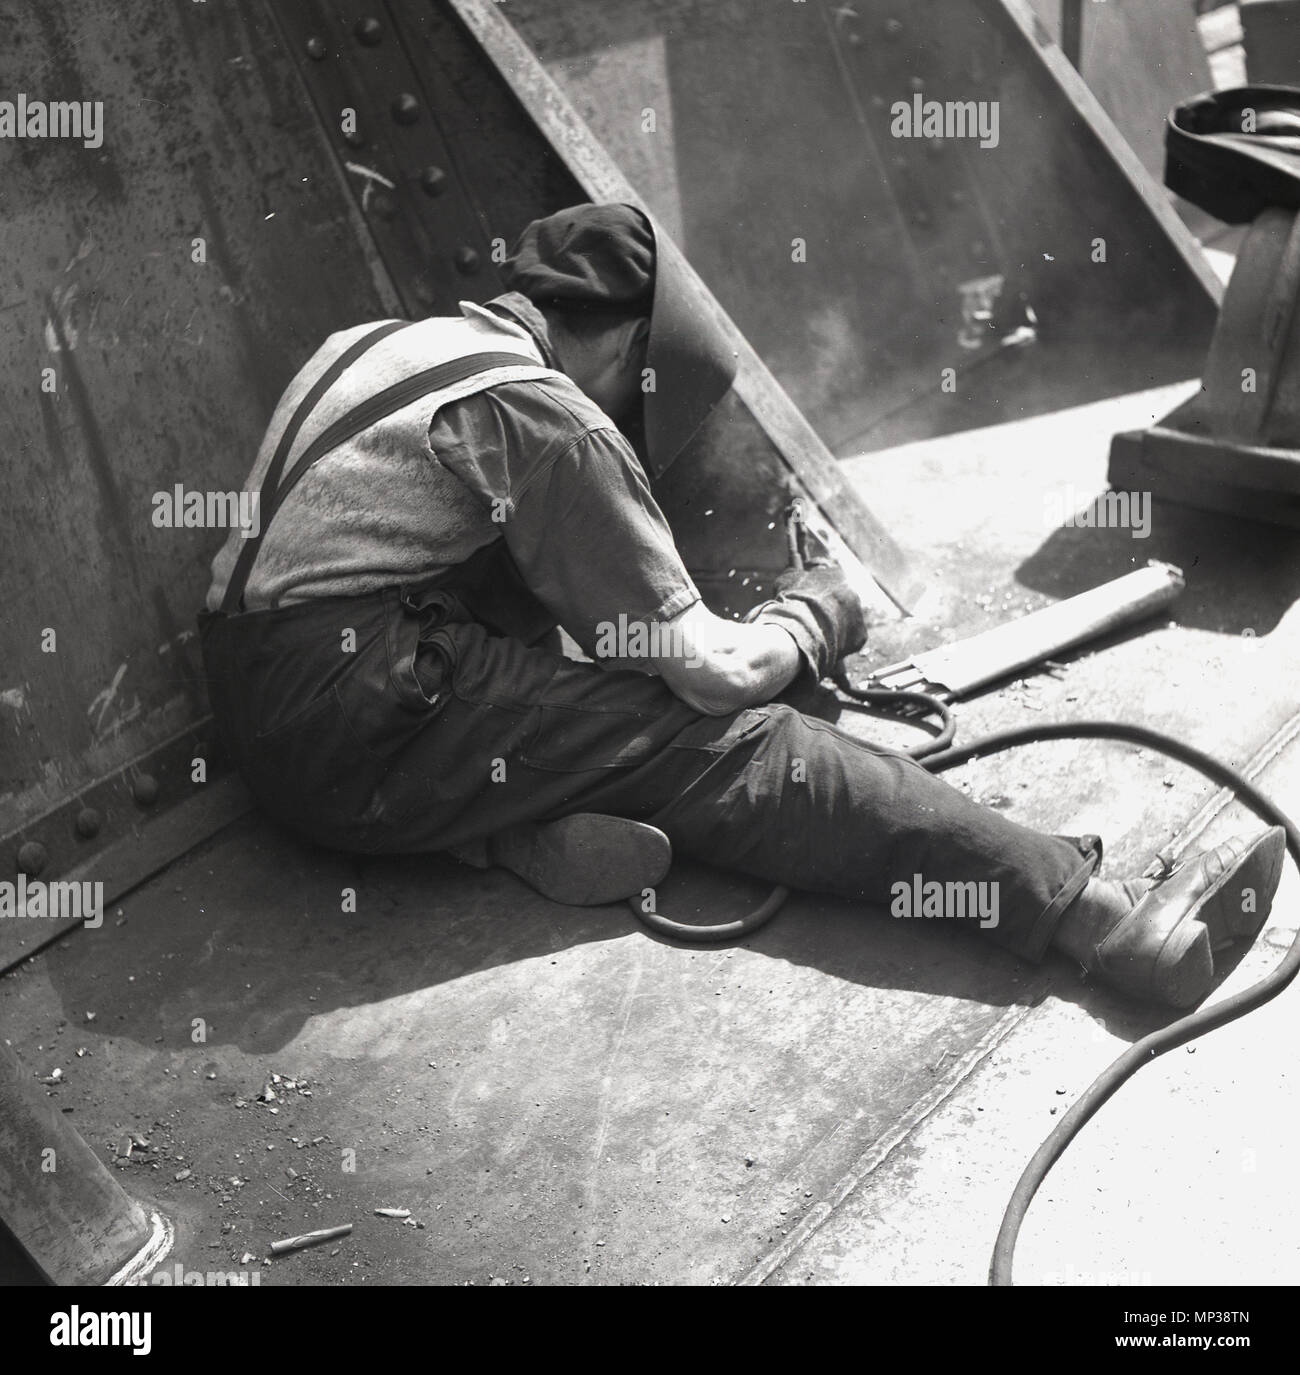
(940, 754)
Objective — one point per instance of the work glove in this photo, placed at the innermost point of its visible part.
(820, 611)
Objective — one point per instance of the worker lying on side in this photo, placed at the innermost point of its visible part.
(381, 663)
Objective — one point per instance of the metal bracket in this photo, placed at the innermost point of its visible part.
(1235, 445)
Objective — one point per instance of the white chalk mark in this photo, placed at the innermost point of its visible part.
(63, 299)
(105, 699)
(371, 177)
(84, 250)
(182, 638)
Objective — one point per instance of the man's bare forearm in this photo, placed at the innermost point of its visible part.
(719, 666)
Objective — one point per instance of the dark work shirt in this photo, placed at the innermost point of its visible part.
(572, 499)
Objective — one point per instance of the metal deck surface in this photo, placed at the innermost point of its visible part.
(558, 1097)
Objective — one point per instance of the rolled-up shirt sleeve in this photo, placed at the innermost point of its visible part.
(573, 503)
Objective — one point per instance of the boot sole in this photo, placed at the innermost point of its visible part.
(1185, 969)
(585, 860)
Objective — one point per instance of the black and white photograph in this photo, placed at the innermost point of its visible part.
(649, 644)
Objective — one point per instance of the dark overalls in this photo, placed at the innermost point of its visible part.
(436, 732)
(427, 717)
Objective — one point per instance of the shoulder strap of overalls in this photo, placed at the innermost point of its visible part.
(368, 412)
(234, 597)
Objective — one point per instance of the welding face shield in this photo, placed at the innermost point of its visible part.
(613, 257)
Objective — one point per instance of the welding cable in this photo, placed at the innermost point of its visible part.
(940, 754)
(1167, 1038)
(904, 702)
(720, 931)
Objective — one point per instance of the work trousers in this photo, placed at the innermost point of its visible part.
(398, 723)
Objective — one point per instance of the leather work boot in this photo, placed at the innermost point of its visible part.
(585, 860)
(1163, 949)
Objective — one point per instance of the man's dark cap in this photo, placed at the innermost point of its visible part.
(609, 257)
(594, 255)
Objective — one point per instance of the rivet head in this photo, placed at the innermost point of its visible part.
(425, 294)
(88, 822)
(355, 139)
(382, 205)
(369, 31)
(145, 790)
(406, 109)
(433, 180)
(921, 218)
(315, 48)
(466, 260)
(916, 83)
(893, 27)
(32, 857)
(855, 40)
